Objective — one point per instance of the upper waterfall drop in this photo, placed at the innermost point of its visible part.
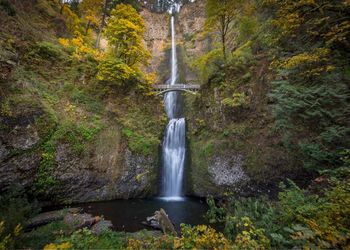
(170, 99)
(173, 52)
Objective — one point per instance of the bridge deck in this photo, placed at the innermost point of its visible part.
(163, 87)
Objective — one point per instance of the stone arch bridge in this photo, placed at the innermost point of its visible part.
(161, 89)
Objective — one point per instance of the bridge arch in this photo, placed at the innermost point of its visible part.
(172, 90)
(165, 88)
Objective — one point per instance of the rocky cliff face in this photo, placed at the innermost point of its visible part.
(106, 170)
(190, 43)
(157, 39)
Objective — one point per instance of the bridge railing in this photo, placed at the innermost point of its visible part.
(176, 86)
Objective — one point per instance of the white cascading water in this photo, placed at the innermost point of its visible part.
(171, 97)
(174, 143)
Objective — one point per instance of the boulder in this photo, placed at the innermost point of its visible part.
(78, 221)
(144, 234)
(101, 226)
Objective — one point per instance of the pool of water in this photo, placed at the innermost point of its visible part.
(127, 215)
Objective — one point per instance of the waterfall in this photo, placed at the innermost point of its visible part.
(174, 142)
(174, 149)
(171, 98)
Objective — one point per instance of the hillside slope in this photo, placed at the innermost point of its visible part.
(64, 137)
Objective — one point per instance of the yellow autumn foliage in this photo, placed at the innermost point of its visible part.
(62, 246)
(81, 49)
(124, 32)
(73, 22)
(198, 237)
(308, 64)
(7, 239)
(318, 56)
(250, 237)
(92, 10)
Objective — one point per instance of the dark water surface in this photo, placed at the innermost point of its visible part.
(127, 215)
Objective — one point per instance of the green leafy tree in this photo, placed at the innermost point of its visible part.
(220, 17)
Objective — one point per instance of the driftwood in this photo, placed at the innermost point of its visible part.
(161, 221)
(48, 217)
(73, 218)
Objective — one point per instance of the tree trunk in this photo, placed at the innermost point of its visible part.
(87, 27)
(223, 40)
(99, 32)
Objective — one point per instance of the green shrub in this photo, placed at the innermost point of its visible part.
(242, 55)
(91, 104)
(237, 100)
(47, 50)
(7, 7)
(258, 210)
(189, 37)
(85, 239)
(41, 236)
(208, 65)
(250, 237)
(197, 237)
(45, 179)
(318, 221)
(16, 208)
(214, 213)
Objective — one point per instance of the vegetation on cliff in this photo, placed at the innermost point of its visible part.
(77, 117)
(276, 87)
(278, 72)
(60, 93)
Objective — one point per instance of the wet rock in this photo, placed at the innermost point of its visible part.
(145, 234)
(77, 221)
(23, 137)
(223, 173)
(19, 170)
(8, 61)
(107, 170)
(135, 180)
(3, 152)
(101, 226)
(228, 171)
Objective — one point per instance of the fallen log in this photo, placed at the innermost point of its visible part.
(48, 217)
